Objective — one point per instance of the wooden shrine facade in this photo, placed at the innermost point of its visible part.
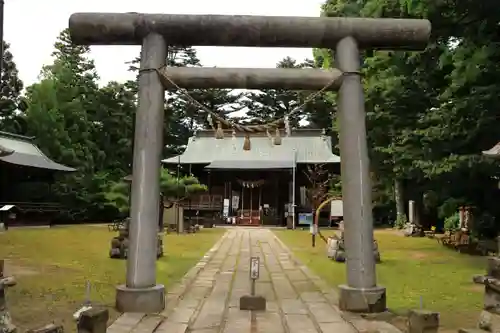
(26, 176)
(251, 179)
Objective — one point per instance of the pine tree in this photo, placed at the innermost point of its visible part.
(183, 116)
(62, 115)
(11, 104)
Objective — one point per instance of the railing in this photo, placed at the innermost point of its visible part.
(38, 207)
(204, 202)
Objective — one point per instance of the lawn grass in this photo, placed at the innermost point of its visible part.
(52, 266)
(411, 268)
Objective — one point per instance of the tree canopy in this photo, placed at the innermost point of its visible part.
(430, 114)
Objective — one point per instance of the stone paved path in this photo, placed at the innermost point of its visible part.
(207, 299)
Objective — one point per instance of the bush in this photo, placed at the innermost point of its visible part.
(450, 207)
(452, 223)
(401, 220)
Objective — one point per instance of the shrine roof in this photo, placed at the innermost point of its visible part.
(20, 150)
(301, 147)
(4, 151)
(493, 152)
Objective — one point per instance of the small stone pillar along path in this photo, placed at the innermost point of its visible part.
(207, 298)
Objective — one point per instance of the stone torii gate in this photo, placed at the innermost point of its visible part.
(155, 32)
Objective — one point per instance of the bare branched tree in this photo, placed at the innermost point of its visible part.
(319, 179)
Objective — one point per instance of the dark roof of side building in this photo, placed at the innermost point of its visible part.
(20, 150)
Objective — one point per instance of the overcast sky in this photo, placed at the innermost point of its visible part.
(31, 27)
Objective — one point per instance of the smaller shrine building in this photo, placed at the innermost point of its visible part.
(254, 179)
(26, 176)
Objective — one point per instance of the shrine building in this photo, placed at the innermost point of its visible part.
(254, 179)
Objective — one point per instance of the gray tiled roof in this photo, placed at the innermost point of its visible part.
(493, 152)
(4, 151)
(303, 146)
(25, 153)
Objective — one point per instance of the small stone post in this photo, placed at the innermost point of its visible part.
(461, 217)
(489, 319)
(94, 320)
(253, 302)
(411, 212)
(412, 228)
(423, 321)
(6, 325)
(180, 217)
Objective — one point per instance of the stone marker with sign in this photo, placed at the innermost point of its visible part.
(252, 301)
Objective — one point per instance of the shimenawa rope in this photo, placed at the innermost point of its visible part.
(231, 124)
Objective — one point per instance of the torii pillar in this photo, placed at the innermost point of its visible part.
(157, 31)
